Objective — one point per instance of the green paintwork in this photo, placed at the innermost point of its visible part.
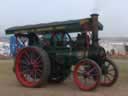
(68, 54)
(68, 26)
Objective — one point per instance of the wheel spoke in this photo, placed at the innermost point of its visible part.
(91, 70)
(27, 61)
(90, 77)
(35, 75)
(25, 68)
(24, 62)
(80, 73)
(94, 74)
(110, 74)
(39, 73)
(31, 55)
(27, 54)
(111, 70)
(26, 76)
(108, 77)
(37, 61)
(27, 71)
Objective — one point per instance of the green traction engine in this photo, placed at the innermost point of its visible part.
(53, 51)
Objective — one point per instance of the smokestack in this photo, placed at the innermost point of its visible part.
(95, 28)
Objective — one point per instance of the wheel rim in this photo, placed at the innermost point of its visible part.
(29, 67)
(109, 74)
(90, 75)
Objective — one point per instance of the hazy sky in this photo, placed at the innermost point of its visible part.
(113, 13)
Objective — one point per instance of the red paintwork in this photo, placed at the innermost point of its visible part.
(79, 83)
(19, 73)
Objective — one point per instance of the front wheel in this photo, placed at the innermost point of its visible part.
(109, 73)
(87, 75)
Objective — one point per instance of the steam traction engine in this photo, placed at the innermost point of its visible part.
(51, 51)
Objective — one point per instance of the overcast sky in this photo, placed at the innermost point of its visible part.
(113, 13)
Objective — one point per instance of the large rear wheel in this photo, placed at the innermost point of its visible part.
(87, 75)
(32, 67)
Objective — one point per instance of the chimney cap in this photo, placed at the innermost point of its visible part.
(94, 14)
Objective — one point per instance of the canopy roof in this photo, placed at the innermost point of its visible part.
(68, 26)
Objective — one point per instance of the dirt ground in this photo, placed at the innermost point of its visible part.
(9, 86)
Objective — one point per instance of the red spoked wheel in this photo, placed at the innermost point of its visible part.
(109, 73)
(32, 67)
(87, 75)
